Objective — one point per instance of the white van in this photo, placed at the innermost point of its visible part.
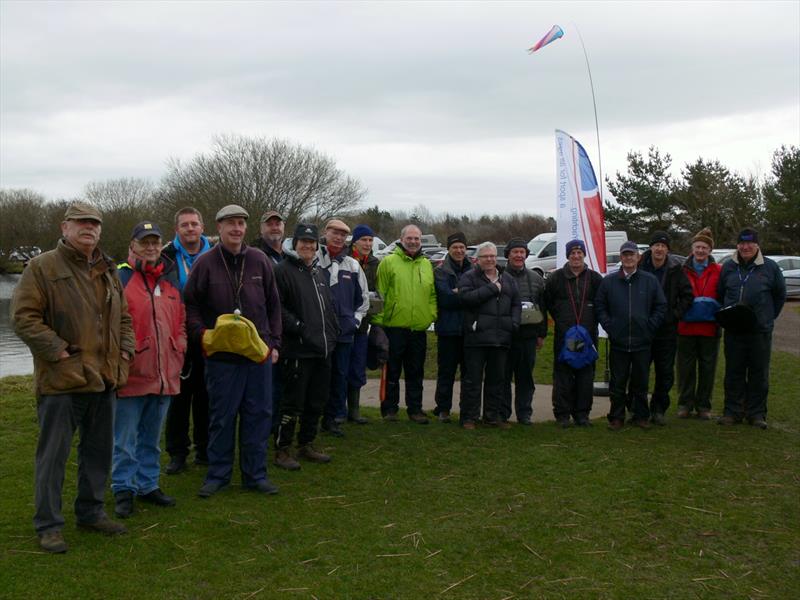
(543, 250)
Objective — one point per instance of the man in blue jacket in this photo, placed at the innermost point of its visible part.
(753, 280)
(449, 325)
(630, 306)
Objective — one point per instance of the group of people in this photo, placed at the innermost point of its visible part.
(275, 340)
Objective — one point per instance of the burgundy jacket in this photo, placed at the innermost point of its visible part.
(210, 292)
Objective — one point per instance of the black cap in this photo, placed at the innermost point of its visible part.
(660, 237)
(516, 243)
(456, 238)
(305, 231)
(145, 228)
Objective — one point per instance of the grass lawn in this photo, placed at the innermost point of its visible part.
(692, 510)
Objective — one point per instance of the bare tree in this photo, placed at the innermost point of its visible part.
(261, 174)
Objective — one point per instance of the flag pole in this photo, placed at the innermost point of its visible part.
(594, 105)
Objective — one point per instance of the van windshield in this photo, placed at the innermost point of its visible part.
(535, 245)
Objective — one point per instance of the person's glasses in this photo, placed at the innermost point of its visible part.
(484, 256)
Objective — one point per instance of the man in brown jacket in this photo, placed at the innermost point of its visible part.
(70, 309)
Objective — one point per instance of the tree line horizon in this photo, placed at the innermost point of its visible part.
(302, 183)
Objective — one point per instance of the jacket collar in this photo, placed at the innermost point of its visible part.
(758, 260)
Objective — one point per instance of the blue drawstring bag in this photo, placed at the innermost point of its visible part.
(578, 350)
(702, 310)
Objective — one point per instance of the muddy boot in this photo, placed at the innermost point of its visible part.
(285, 460)
(353, 414)
(308, 453)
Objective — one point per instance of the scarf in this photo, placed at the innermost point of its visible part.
(186, 260)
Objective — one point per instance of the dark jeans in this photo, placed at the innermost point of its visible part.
(307, 382)
(357, 373)
(697, 367)
(243, 392)
(485, 368)
(747, 374)
(519, 365)
(407, 350)
(449, 358)
(336, 406)
(662, 356)
(629, 372)
(92, 415)
(573, 391)
(193, 399)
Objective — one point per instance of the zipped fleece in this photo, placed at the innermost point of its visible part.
(491, 315)
(159, 324)
(630, 310)
(409, 295)
(349, 291)
(310, 326)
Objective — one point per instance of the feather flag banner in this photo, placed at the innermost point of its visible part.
(552, 35)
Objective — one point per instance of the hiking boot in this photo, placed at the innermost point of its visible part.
(759, 422)
(265, 486)
(105, 525)
(584, 422)
(332, 427)
(158, 498)
(468, 425)
(419, 418)
(658, 419)
(728, 420)
(308, 453)
(285, 460)
(391, 417)
(355, 417)
(704, 415)
(616, 424)
(175, 465)
(52, 541)
(210, 488)
(564, 423)
(123, 504)
(642, 423)
(683, 412)
(444, 416)
(525, 421)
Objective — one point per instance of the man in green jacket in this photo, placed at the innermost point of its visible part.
(405, 282)
(70, 309)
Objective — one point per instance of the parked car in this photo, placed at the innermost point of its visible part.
(790, 265)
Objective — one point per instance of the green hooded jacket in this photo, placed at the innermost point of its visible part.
(408, 291)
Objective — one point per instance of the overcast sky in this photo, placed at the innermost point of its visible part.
(426, 103)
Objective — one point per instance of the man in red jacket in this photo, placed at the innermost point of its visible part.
(154, 302)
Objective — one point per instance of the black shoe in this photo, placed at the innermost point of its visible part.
(123, 504)
(564, 423)
(201, 461)
(391, 417)
(524, 421)
(419, 418)
(175, 465)
(265, 486)
(106, 526)
(210, 488)
(584, 422)
(759, 422)
(357, 418)
(332, 427)
(158, 498)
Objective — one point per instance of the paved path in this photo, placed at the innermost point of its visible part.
(542, 402)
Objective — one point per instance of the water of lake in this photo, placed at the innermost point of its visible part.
(15, 358)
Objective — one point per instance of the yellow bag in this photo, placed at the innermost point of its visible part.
(235, 334)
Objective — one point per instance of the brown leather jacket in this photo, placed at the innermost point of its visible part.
(64, 302)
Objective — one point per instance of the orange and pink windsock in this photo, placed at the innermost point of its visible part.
(552, 35)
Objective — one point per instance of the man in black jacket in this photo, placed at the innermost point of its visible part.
(310, 328)
(678, 293)
(528, 338)
(755, 281)
(570, 292)
(450, 322)
(491, 315)
(630, 306)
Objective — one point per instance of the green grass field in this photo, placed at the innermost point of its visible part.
(692, 510)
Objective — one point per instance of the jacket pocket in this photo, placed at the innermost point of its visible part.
(66, 374)
(145, 363)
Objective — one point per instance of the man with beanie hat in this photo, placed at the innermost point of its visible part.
(698, 331)
(310, 329)
(528, 338)
(754, 283)
(361, 252)
(678, 293)
(570, 292)
(350, 293)
(449, 324)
